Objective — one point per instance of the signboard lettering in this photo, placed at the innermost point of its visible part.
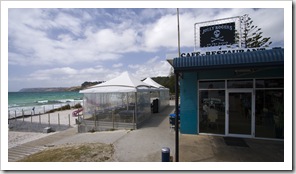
(215, 52)
(216, 35)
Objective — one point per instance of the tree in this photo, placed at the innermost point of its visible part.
(251, 36)
(88, 84)
(168, 82)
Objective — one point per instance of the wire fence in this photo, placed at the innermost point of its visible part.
(57, 121)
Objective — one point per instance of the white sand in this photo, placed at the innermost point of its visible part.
(29, 129)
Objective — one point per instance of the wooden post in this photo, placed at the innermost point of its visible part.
(15, 115)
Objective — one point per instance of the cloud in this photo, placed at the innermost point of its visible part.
(117, 65)
(69, 36)
(33, 41)
(134, 66)
(152, 68)
(108, 40)
(162, 33)
(69, 76)
(64, 76)
(68, 22)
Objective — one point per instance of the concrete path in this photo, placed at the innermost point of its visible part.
(145, 143)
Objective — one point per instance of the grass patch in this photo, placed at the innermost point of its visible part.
(92, 152)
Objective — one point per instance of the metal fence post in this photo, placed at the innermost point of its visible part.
(69, 119)
(113, 118)
(39, 118)
(48, 119)
(23, 115)
(134, 126)
(59, 120)
(8, 116)
(95, 123)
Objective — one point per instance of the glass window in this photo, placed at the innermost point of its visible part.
(212, 84)
(269, 121)
(212, 111)
(240, 84)
(270, 83)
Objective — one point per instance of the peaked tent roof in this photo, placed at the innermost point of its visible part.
(151, 82)
(123, 83)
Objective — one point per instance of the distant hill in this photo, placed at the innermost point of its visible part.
(61, 89)
(58, 89)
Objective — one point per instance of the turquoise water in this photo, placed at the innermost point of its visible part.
(40, 101)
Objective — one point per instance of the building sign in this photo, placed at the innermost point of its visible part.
(216, 35)
(215, 52)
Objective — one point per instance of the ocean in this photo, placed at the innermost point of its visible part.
(27, 102)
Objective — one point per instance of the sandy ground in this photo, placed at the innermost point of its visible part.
(31, 128)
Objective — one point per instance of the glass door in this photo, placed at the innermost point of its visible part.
(240, 113)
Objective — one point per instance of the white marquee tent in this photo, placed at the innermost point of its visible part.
(159, 93)
(152, 83)
(122, 102)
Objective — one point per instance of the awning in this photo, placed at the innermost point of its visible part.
(264, 58)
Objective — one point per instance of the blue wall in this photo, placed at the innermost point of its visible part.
(188, 107)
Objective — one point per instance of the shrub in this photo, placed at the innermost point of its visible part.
(78, 105)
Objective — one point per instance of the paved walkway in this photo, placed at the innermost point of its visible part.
(145, 143)
(205, 148)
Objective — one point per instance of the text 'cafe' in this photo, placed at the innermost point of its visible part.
(232, 94)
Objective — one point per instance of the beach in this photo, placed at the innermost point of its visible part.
(27, 129)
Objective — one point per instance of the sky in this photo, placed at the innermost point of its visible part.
(64, 47)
